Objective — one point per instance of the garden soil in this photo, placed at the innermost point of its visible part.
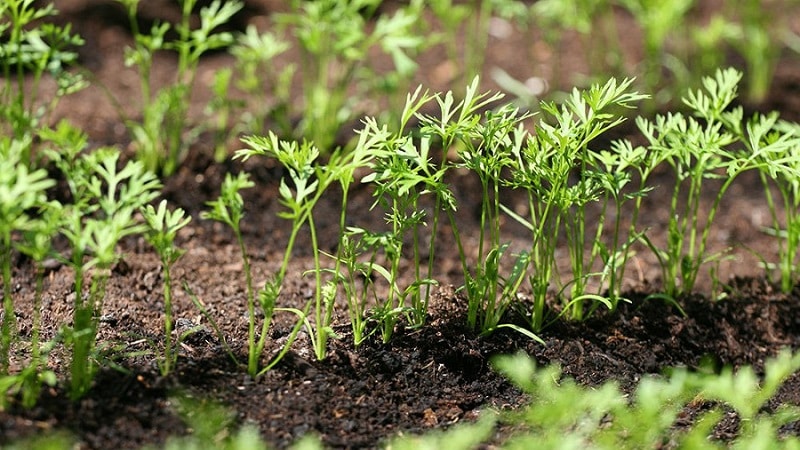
(425, 378)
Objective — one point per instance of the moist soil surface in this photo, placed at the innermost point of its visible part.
(424, 378)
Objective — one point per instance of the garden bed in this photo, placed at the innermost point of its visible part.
(424, 378)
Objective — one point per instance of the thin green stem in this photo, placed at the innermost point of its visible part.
(169, 357)
(185, 35)
(253, 349)
(773, 212)
(320, 315)
(711, 216)
(340, 247)
(792, 243)
(8, 305)
(674, 241)
(614, 284)
(419, 305)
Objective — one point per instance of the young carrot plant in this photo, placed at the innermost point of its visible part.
(162, 226)
(482, 145)
(335, 38)
(161, 136)
(458, 129)
(307, 181)
(581, 119)
(229, 209)
(780, 168)
(563, 414)
(402, 174)
(299, 160)
(371, 142)
(256, 72)
(658, 20)
(487, 153)
(119, 194)
(641, 162)
(21, 191)
(35, 48)
(756, 36)
(399, 175)
(613, 172)
(37, 243)
(561, 176)
(697, 150)
(356, 275)
(105, 199)
(557, 18)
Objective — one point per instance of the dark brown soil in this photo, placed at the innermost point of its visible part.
(424, 378)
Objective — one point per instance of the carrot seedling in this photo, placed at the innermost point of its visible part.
(21, 190)
(402, 174)
(698, 150)
(30, 49)
(309, 180)
(775, 142)
(105, 200)
(556, 170)
(229, 209)
(37, 242)
(161, 135)
(335, 40)
(483, 149)
(257, 73)
(162, 226)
